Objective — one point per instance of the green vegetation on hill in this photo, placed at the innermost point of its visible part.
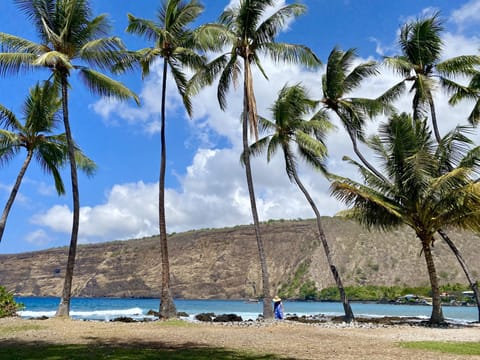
(306, 290)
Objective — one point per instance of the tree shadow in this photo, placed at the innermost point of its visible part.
(120, 350)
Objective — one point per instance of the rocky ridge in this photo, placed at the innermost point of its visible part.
(223, 263)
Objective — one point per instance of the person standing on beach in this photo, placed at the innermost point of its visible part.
(278, 308)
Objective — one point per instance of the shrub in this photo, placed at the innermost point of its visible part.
(8, 305)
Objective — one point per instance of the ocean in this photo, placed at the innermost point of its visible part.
(106, 309)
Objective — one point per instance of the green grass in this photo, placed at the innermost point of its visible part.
(4, 330)
(118, 352)
(457, 348)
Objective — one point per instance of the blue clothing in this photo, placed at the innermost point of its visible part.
(278, 310)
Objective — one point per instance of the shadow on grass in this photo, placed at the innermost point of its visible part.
(20, 350)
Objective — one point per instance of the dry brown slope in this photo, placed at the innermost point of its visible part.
(223, 263)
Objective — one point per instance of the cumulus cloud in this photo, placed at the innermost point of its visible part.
(212, 191)
(468, 14)
(38, 238)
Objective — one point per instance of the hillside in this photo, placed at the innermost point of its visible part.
(223, 263)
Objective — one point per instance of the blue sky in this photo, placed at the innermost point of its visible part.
(205, 183)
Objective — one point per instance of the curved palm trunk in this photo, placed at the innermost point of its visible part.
(167, 306)
(437, 314)
(13, 193)
(463, 264)
(349, 317)
(362, 158)
(434, 119)
(64, 307)
(248, 98)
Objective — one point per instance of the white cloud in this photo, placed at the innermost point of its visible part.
(468, 14)
(38, 238)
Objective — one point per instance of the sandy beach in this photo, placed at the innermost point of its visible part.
(286, 339)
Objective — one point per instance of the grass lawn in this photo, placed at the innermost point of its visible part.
(457, 348)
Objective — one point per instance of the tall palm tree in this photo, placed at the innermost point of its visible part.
(420, 63)
(288, 129)
(40, 114)
(340, 79)
(175, 44)
(422, 192)
(247, 32)
(70, 40)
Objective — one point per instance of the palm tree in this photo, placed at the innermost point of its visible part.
(247, 34)
(40, 112)
(423, 192)
(70, 40)
(175, 44)
(289, 128)
(470, 92)
(421, 47)
(419, 63)
(340, 79)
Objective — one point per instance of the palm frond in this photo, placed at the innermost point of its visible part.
(228, 76)
(8, 120)
(102, 85)
(420, 40)
(207, 74)
(181, 83)
(13, 63)
(459, 65)
(259, 147)
(214, 37)
(15, 44)
(392, 94)
(291, 53)
(400, 64)
(358, 74)
(275, 23)
(102, 53)
(142, 27)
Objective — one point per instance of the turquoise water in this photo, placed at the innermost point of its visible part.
(110, 308)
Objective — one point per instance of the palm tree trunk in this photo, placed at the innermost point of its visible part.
(247, 95)
(64, 307)
(349, 317)
(434, 119)
(167, 306)
(437, 314)
(13, 193)
(362, 158)
(463, 264)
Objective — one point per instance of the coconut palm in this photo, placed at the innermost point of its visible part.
(340, 79)
(450, 154)
(40, 114)
(175, 44)
(247, 32)
(70, 40)
(420, 63)
(469, 92)
(289, 129)
(423, 191)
